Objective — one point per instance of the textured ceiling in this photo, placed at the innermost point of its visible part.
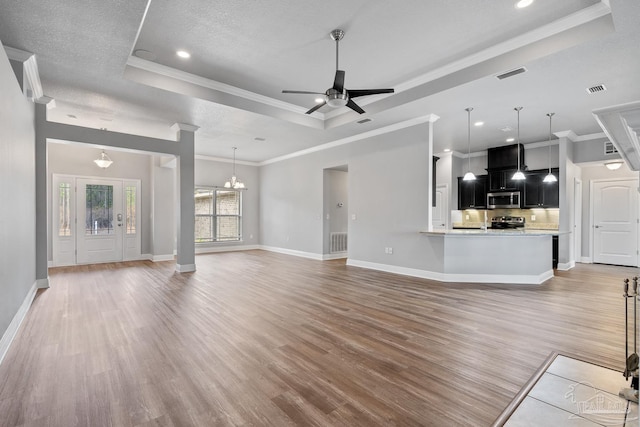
(440, 56)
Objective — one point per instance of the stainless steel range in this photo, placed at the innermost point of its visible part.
(507, 222)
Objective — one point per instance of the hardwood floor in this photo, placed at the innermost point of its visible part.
(264, 339)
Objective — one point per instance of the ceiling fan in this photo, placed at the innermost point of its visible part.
(338, 95)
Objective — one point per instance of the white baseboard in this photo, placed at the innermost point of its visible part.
(301, 254)
(12, 330)
(459, 278)
(213, 249)
(185, 268)
(158, 258)
(566, 266)
(337, 255)
(586, 260)
(42, 283)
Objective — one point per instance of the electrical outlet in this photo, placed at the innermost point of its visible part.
(251, 236)
(533, 217)
(353, 217)
(466, 217)
(328, 216)
(390, 251)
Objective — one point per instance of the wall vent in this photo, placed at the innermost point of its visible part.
(609, 148)
(596, 89)
(363, 121)
(338, 242)
(511, 73)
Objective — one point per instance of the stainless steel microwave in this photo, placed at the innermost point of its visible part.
(503, 200)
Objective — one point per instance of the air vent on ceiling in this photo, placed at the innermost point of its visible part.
(363, 121)
(596, 89)
(609, 148)
(259, 138)
(511, 73)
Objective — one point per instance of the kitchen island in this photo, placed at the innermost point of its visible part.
(495, 256)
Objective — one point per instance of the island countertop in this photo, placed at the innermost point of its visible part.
(494, 232)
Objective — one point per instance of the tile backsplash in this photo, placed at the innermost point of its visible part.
(541, 219)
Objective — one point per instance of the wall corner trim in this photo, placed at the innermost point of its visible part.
(185, 268)
(566, 266)
(42, 283)
(14, 326)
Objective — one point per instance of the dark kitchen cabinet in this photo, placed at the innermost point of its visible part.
(540, 194)
(501, 181)
(472, 194)
(505, 157)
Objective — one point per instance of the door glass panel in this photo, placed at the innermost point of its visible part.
(99, 208)
(130, 192)
(64, 203)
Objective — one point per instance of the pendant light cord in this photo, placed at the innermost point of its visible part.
(550, 115)
(469, 137)
(518, 110)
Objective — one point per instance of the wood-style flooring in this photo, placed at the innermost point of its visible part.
(263, 339)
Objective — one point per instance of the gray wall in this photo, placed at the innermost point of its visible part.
(77, 159)
(17, 192)
(388, 184)
(216, 173)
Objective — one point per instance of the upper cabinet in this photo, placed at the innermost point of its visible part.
(501, 181)
(540, 194)
(505, 157)
(472, 194)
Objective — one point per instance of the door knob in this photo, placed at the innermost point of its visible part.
(597, 226)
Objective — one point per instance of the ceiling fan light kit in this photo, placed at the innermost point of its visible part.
(339, 96)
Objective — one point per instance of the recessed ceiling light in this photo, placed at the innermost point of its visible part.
(183, 54)
(446, 150)
(319, 100)
(510, 139)
(523, 3)
(478, 123)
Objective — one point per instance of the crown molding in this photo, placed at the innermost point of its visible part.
(223, 160)
(369, 134)
(30, 67)
(573, 20)
(164, 70)
(184, 126)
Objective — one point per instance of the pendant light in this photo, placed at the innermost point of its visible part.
(550, 177)
(103, 161)
(469, 176)
(234, 182)
(518, 176)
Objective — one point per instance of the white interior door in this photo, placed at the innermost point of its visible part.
(440, 215)
(615, 222)
(100, 220)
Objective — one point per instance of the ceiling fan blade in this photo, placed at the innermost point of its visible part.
(338, 82)
(302, 91)
(355, 107)
(363, 92)
(315, 108)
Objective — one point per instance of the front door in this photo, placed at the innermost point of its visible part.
(99, 227)
(615, 222)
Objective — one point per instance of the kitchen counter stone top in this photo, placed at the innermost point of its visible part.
(494, 232)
